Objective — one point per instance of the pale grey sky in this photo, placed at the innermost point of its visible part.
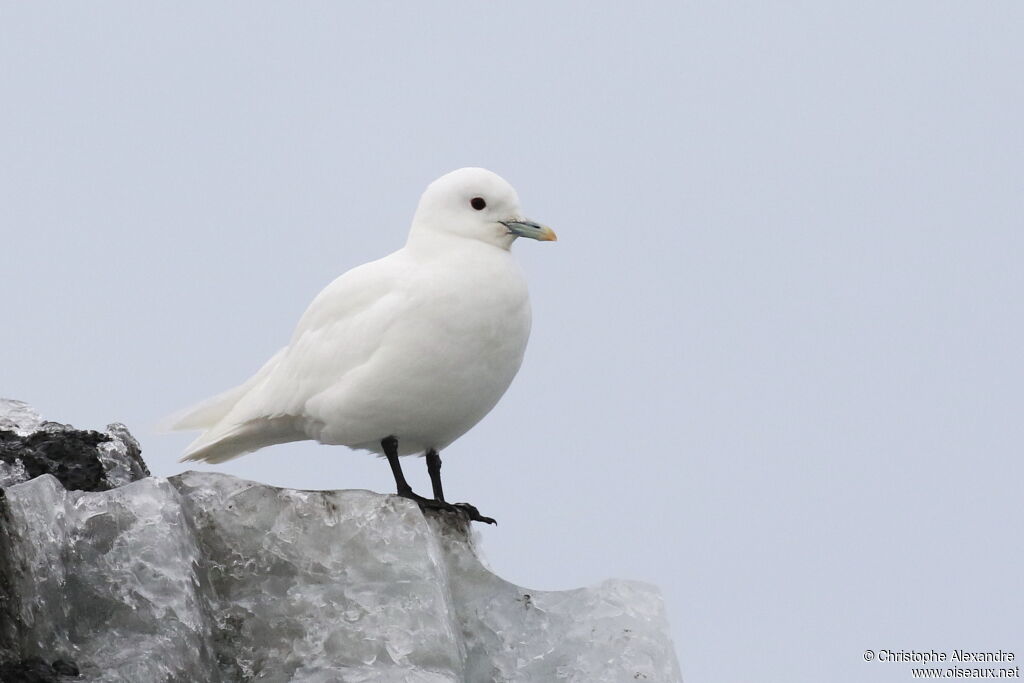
(776, 363)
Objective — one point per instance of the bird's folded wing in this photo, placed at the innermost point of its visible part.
(343, 327)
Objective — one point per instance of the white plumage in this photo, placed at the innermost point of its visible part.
(418, 345)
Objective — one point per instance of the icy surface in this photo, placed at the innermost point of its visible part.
(615, 631)
(18, 417)
(204, 577)
(612, 632)
(107, 580)
(121, 457)
(314, 585)
(13, 472)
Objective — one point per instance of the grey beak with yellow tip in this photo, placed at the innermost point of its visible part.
(525, 228)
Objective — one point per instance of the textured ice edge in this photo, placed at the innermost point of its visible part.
(206, 577)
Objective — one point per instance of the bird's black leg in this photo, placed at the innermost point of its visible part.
(434, 469)
(390, 446)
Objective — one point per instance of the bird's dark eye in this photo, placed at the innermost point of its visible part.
(478, 203)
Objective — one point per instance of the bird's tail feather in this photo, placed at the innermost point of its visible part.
(206, 414)
(231, 429)
(232, 440)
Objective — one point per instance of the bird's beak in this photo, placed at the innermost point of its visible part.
(525, 228)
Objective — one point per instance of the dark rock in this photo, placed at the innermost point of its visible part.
(68, 454)
(82, 460)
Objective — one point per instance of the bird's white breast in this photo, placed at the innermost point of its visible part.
(458, 323)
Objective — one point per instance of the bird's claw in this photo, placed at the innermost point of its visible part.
(473, 514)
(468, 511)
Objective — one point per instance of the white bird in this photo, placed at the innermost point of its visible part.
(399, 356)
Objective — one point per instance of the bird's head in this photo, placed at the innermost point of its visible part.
(477, 204)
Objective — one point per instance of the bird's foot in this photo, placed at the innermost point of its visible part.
(465, 509)
(429, 503)
(474, 514)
